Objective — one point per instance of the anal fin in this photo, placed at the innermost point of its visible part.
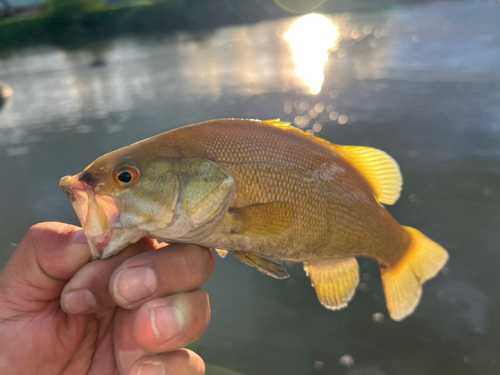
(270, 267)
(335, 281)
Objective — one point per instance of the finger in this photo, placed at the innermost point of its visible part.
(169, 270)
(48, 256)
(87, 291)
(169, 323)
(129, 332)
(180, 362)
(125, 347)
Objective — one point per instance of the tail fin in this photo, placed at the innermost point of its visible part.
(402, 283)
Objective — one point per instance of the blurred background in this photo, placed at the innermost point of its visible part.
(417, 79)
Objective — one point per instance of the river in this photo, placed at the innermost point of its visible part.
(421, 83)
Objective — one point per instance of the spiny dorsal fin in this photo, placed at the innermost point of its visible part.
(222, 253)
(381, 171)
(263, 219)
(335, 281)
(271, 267)
(277, 122)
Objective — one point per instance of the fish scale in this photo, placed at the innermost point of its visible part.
(251, 148)
(267, 193)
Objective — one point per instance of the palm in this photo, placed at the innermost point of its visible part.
(93, 353)
(83, 344)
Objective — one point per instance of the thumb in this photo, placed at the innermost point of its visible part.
(47, 257)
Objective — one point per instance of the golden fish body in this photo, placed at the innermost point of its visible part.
(309, 204)
(267, 193)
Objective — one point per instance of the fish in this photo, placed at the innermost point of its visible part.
(267, 193)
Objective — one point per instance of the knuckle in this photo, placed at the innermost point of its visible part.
(44, 232)
(37, 234)
(36, 231)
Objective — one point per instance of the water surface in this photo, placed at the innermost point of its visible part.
(422, 84)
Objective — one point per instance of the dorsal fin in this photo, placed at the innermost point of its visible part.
(381, 171)
(277, 122)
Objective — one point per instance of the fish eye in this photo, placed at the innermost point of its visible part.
(126, 174)
(125, 177)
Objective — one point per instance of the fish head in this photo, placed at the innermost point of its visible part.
(96, 196)
(124, 196)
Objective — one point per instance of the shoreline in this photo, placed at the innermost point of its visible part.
(75, 24)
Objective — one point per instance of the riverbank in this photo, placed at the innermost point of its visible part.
(76, 22)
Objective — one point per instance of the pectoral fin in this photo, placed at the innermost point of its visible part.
(263, 219)
(334, 280)
(270, 267)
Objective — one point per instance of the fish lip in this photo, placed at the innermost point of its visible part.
(95, 211)
(70, 183)
(64, 185)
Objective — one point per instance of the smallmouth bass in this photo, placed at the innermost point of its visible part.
(267, 193)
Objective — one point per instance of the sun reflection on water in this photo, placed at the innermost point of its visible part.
(310, 38)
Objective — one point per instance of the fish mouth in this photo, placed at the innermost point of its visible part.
(98, 214)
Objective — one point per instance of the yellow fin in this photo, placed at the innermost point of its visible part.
(277, 122)
(263, 219)
(402, 283)
(381, 171)
(222, 253)
(335, 281)
(271, 267)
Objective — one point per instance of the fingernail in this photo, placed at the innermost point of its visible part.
(78, 302)
(151, 369)
(79, 237)
(167, 322)
(133, 284)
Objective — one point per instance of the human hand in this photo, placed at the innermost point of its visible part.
(129, 314)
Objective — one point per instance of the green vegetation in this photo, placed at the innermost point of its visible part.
(67, 22)
(77, 21)
(14, 32)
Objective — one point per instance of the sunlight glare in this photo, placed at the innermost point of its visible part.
(310, 38)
